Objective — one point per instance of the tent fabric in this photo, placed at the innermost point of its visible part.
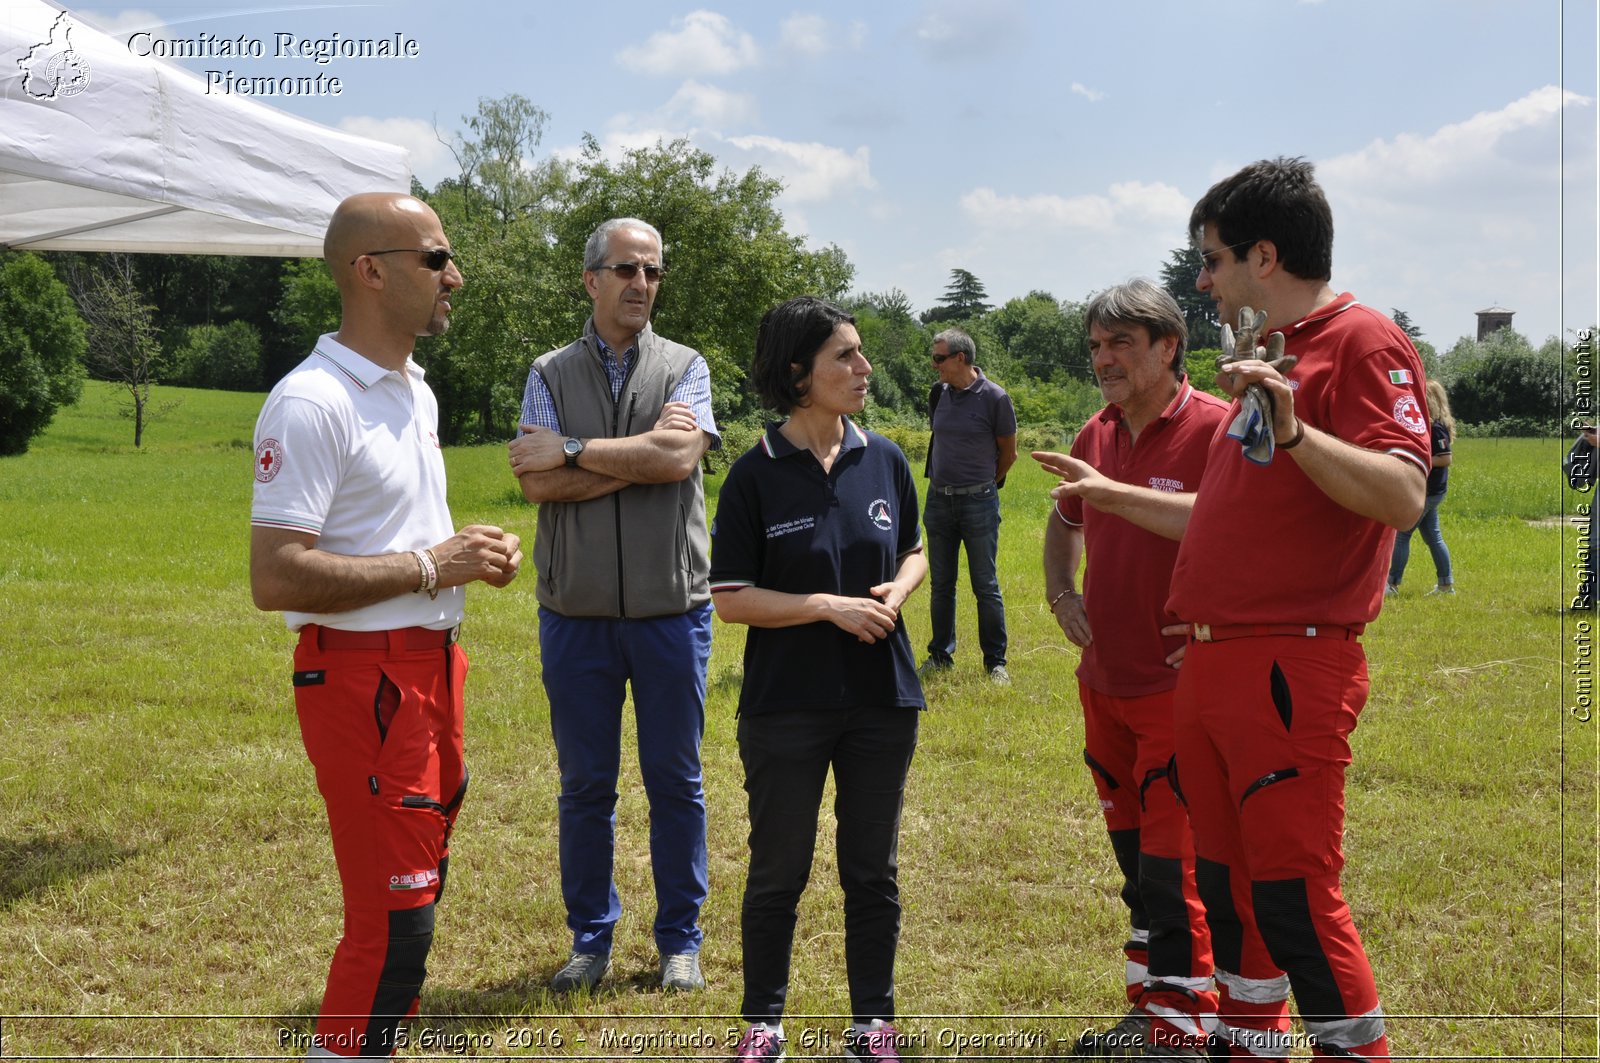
(105, 150)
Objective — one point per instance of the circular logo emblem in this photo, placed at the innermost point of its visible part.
(1409, 414)
(269, 459)
(68, 72)
(878, 513)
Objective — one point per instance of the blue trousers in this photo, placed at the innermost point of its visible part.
(1429, 527)
(587, 663)
(950, 522)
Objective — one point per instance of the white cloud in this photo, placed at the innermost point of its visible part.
(810, 172)
(708, 105)
(1125, 203)
(962, 29)
(431, 161)
(809, 35)
(701, 42)
(1467, 216)
(1092, 95)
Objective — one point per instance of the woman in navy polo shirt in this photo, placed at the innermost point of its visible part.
(815, 546)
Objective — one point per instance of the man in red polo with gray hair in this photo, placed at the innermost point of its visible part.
(1153, 433)
(351, 538)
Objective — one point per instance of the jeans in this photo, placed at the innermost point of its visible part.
(973, 521)
(1429, 526)
(786, 757)
(587, 661)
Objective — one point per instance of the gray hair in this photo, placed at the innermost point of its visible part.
(958, 343)
(1141, 302)
(594, 252)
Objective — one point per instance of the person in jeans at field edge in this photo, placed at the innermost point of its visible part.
(971, 448)
(351, 538)
(614, 426)
(815, 547)
(1442, 436)
(1153, 432)
(1274, 677)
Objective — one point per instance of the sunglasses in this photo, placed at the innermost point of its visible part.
(435, 258)
(1208, 259)
(940, 359)
(628, 270)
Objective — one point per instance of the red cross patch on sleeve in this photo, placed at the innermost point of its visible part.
(269, 459)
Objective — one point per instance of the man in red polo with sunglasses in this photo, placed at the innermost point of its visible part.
(352, 540)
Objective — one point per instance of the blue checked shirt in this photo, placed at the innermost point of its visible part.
(695, 389)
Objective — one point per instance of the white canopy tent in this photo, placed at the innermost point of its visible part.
(105, 150)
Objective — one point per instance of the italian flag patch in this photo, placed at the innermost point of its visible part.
(1399, 376)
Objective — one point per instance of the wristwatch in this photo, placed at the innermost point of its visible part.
(572, 448)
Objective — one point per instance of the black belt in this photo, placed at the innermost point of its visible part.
(974, 489)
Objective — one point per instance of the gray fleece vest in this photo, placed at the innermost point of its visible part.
(639, 552)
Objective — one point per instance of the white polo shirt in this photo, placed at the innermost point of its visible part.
(348, 451)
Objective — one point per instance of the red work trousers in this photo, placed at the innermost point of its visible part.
(382, 727)
(1128, 745)
(1263, 738)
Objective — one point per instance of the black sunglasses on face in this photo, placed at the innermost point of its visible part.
(1209, 259)
(629, 270)
(435, 258)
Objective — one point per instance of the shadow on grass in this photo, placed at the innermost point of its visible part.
(32, 865)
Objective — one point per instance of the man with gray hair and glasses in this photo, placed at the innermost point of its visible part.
(613, 429)
(973, 445)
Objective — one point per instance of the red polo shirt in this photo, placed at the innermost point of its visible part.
(1130, 570)
(1264, 544)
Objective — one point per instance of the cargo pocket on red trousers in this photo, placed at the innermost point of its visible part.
(1292, 822)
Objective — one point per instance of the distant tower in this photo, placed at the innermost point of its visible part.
(1492, 320)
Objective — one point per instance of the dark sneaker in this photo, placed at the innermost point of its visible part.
(1128, 1039)
(681, 970)
(583, 971)
(933, 666)
(881, 1043)
(759, 1045)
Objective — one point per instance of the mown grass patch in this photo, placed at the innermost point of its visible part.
(163, 850)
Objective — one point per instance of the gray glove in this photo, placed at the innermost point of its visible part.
(1253, 425)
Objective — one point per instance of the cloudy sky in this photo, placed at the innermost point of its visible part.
(1050, 145)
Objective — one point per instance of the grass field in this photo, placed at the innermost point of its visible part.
(166, 887)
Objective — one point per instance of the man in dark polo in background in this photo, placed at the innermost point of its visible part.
(973, 445)
(351, 538)
(614, 425)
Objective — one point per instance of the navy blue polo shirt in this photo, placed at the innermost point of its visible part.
(785, 525)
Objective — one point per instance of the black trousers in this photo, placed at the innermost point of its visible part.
(786, 759)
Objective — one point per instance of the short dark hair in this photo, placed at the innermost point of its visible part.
(1141, 302)
(791, 334)
(1277, 200)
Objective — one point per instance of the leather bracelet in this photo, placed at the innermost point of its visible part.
(1299, 434)
(1056, 600)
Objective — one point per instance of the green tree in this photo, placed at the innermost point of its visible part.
(124, 339)
(307, 307)
(1504, 379)
(1043, 336)
(41, 349)
(963, 299)
(1199, 312)
(498, 169)
(897, 346)
(226, 357)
